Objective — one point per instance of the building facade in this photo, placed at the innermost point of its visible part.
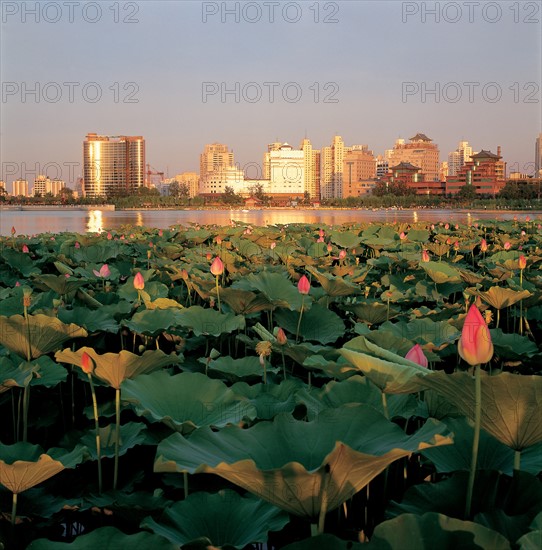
(332, 166)
(538, 157)
(421, 152)
(113, 165)
(215, 158)
(359, 171)
(43, 186)
(458, 158)
(20, 188)
(485, 172)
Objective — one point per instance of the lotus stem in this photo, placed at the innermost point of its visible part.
(299, 320)
(117, 438)
(385, 405)
(517, 460)
(521, 304)
(185, 484)
(13, 509)
(217, 293)
(26, 403)
(476, 438)
(97, 428)
(283, 364)
(323, 500)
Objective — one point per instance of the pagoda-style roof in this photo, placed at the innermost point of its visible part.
(483, 154)
(420, 137)
(405, 166)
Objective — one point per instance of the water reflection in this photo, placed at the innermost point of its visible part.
(95, 221)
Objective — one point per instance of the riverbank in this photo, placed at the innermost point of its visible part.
(54, 207)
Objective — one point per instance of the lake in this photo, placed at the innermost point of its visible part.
(81, 221)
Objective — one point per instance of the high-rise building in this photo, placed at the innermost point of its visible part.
(286, 170)
(311, 169)
(215, 158)
(332, 166)
(538, 157)
(421, 152)
(191, 180)
(20, 188)
(113, 165)
(359, 171)
(43, 186)
(485, 172)
(458, 158)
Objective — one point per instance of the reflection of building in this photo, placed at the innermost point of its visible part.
(485, 172)
(538, 157)
(20, 188)
(113, 165)
(420, 151)
(43, 186)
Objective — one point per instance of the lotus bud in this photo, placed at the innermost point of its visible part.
(456, 245)
(13, 231)
(416, 355)
(160, 233)
(217, 267)
(329, 248)
(402, 236)
(139, 282)
(475, 346)
(17, 283)
(272, 246)
(219, 241)
(208, 256)
(87, 365)
(528, 219)
(425, 256)
(77, 245)
(281, 337)
(483, 245)
(303, 285)
(342, 254)
(109, 236)
(25, 249)
(320, 240)
(184, 275)
(507, 245)
(447, 226)
(149, 254)
(27, 300)
(321, 233)
(522, 261)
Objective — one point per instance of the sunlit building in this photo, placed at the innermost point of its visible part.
(421, 152)
(113, 165)
(332, 167)
(538, 157)
(44, 186)
(215, 158)
(20, 188)
(485, 172)
(359, 171)
(458, 158)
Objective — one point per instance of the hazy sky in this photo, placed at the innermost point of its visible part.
(362, 69)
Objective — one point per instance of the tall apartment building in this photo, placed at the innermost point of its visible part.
(215, 157)
(43, 185)
(458, 158)
(332, 167)
(311, 169)
(20, 188)
(113, 165)
(359, 171)
(538, 157)
(191, 180)
(421, 152)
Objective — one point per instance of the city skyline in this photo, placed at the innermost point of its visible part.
(371, 72)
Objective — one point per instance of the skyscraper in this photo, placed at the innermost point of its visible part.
(458, 158)
(332, 169)
(538, 157)
(113, 165)
(419, 152)
(215, 158)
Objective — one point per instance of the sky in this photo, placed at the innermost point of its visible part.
(184, 73)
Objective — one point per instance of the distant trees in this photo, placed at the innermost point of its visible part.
(520, 190)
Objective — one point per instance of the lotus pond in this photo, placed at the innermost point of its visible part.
(292, 386)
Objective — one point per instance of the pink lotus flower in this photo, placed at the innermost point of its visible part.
(139, 282)
(77, 245)
(416, 355)
(507, 245)
(475, 346)
(321, 233)
(528, 219)
(160, 233)
(447, 226)
(281, 337)
(483, 245)
(402, 236)
(208, 255)
(329, 248)
(17, 283)
(219, 241)
(103, 273)
(522, 261)
(25, 249)
(425, 256)
(342, 254)
(303, 285)
(217, 267)
(320, 240)
(272, 245)
(13, 231)
(109, 236)
(86, 363)
(122, 237)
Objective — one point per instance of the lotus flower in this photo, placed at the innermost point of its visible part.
(103, 273)
(342, 254)
(86, 363)
(109, 236)
(416, 355)
(217, 267)
(483, 245)
(329, 248)
(77, 245)
(425, 256)
(139, 282)
(522, 261)
(475, 346)
(272, 245)
(507, 245)
(25, 249)
(402, 236)
(281, 337)
(303, 285)
(13, 231)
(160, 233)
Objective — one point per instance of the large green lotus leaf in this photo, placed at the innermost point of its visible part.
(334, 286)
(390, 372)
(324, 542)
(153, 321)
(98, 252)
(500, 297)
(372, 313)
(46, 334)
(46, 372)
(318, 324)
(270, 399)
(317, 250)
(335, 367)
(20, 262)
(108, 538)
(92, 320)
(243, 301)
(131, 434)
(209, 321)
(441, 272)
(114, 368)
(59, 283)
(418, 235)
(511, 403)
(23, 465)
(356, 389)
(345, 239)
(221, 517)
(237, 369)
(512, 346)
(13, 375)
(275, 286)
(533, 539)
(492, 454)
(426, 332)
(432, 530)
(504, 504)
(186, 400)
(289, 462)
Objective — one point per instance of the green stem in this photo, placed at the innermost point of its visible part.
(217, 293)
(476, 438)
(117, 438)
(385, 405)
(283, 364)
(26, 403)
(299, 320)
(517, 460)
(14, 509)
(323, 500)
(97, 428)
(185, 484)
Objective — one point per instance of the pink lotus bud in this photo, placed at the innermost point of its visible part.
(475, 346)
(160, 233)
(320, 240)
(77, 245)
(122, 237)
(528, 219)
(13, 230)
(139, 282)
(321, 233)
(402, 236)
(109, 236)
(281, 337)
(219, 241)
(25, 249)
(208, 255)
(184, 274)
(303, 285)
(17, 283)
(483, 245)
(217, 267)
(522, 261)
(272, 245)
(342, 254)
(416, 355)
(507, 245)
(329, 248)
(87, 365)
(425, 256)
(447, 226)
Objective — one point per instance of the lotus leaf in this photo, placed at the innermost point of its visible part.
(334, 286)
(276, 288)
(221, 517)
(41, 334)
(153, 321)
(441, 272)
(209, 321)
(345, 239)
(100, 319)
(15, 376)
(114, 368)
(373, 313)
(108, 538)
(243, 301)
(186, 400)
(20, 262)
(163, 303)
(500, 297)
(60, 284)
(533, 539)
(324, 542)
(511, 404)
(237, 369)
(131, 434)
(434, 530)
(512, 346)
(289, 463)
